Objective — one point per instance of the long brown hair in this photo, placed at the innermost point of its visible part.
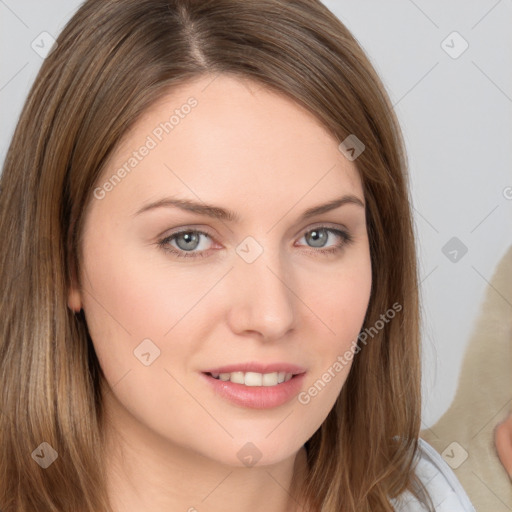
(112, 61)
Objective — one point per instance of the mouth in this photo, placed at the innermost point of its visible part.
(253, 378)
(255, 385)
(256, 374)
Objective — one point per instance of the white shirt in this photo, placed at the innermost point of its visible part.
(446, 491)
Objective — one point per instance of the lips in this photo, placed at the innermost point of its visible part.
(256, 397)
(256, 385)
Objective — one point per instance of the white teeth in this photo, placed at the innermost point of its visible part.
(237, 377)
(270, 379)
(254, 378)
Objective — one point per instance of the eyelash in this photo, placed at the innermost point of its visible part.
(179, 253)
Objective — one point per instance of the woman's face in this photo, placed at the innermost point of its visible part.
(277, 289)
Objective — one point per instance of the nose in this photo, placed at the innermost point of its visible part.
(262, 299)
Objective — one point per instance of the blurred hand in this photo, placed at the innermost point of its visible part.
(503, 442)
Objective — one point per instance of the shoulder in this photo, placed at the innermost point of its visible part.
(444, 488)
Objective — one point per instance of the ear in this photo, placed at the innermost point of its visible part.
(74, 300)
(74, 295)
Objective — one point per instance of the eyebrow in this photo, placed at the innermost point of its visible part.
(217, 212)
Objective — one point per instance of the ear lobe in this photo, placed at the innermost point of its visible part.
(74, 295)
(74, 300)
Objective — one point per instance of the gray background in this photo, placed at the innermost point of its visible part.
(455, 111)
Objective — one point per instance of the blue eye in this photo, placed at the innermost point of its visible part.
(187, 241)
(190, 240)
(321, 234)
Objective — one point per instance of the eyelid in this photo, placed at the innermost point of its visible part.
(186, 229)
(316, 225)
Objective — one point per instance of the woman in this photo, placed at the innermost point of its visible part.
(170, 339)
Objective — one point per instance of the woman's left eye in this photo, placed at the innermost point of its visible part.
(187, 242)
(321, 234)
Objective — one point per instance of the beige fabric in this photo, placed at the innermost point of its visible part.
(483, 399)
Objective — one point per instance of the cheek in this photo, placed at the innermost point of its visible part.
(125, 294)
(341, 305)
(344, 299)
(120, 307)
(129, 308)
(130, 298)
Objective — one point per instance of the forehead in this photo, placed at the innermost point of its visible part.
(226, 138)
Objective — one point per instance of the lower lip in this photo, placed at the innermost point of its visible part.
(256, 397)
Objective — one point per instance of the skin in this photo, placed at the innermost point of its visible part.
(172, 441)
(503, 442)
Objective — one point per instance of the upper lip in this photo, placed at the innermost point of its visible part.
(258, 368)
